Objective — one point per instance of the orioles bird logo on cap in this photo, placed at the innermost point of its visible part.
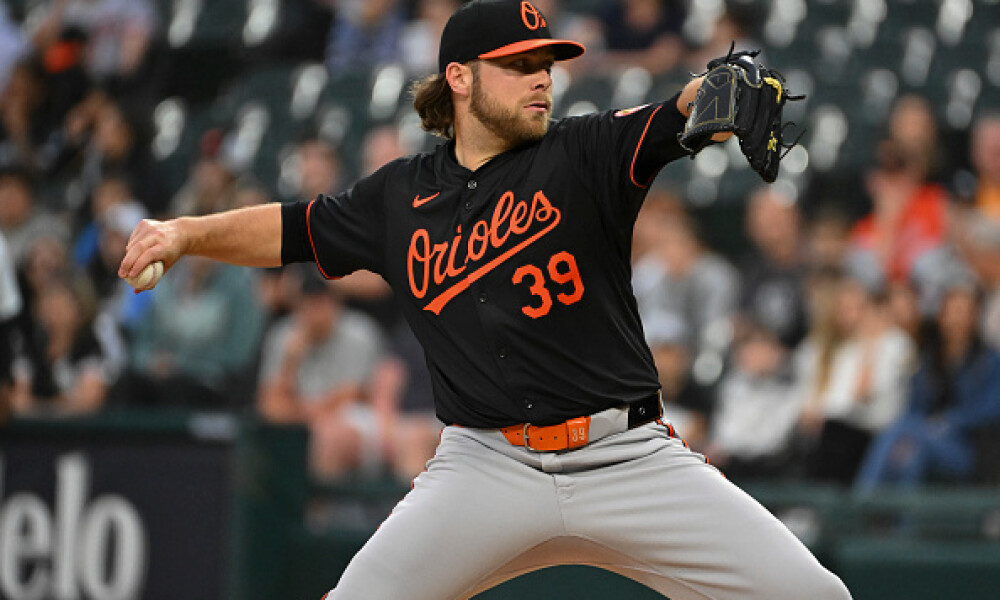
(531, 17)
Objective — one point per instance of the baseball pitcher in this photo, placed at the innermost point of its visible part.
(508, 248)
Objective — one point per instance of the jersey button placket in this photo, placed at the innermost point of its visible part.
(471, 185)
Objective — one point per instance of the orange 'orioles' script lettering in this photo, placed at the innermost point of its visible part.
(505, 230)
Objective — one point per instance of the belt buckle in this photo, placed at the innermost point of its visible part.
(527, 438)
(573, 433)
(524, 436)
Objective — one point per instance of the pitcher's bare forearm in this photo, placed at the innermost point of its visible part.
(248, 236)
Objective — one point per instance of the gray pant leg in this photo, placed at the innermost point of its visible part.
(690, 533)
(472, 511)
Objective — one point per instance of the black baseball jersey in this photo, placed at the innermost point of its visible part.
(515, 277)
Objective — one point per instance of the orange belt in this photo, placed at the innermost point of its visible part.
(550, 438)
(575, 433)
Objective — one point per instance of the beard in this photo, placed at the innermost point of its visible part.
(508, 124)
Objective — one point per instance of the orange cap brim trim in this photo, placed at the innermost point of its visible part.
(565, 49)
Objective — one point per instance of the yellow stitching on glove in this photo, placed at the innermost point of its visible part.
(773, 82)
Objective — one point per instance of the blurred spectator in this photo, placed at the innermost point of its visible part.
(756, 410)
(199, 340)
(211, 184)
(112, 190)
(422, 35)
(403, 398)
(316, 364)
(10, 307)
(119, 36)
(249, 193)
(851, 373)
(828, 239)
(982, 249)
(317, 169)
(653, 222)
(955, 391)
(904, 309)
(46, 261)
(687, 405)
(678, 275)
(12, 45)
(278, 290)
(908, 215)
(733, 26)
(108, 139)
(24, 120)
(381, 145)
(67, 367)
(115, 224)
(33, 107)
(566, 22)
(913, 129)
(773, 274)
(21, 219)
(640, 33)
(985, 155)
(365, 34)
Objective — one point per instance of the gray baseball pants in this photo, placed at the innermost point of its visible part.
(635, 502)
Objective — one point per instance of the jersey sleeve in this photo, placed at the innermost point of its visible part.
(627, 148)
(346, 232)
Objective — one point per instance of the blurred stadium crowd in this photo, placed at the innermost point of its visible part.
(841, 325)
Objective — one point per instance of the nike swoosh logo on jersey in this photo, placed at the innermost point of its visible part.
(418, 201)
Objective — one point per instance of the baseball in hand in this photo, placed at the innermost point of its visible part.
(149, 277)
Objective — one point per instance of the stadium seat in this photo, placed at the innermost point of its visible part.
(906, 14)
(175, 145)
(195, 22)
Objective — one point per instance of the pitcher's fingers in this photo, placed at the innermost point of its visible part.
(133, 263)
(139, 231)
(131, 250)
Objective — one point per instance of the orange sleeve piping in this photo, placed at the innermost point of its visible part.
(311, 243)
(631, 169)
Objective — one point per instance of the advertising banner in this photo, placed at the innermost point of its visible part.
(113, 516)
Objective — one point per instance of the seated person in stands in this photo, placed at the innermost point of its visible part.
(852, 373)
(955, 392)
(198, 342)
(316, 366)
(757, 409)
(66, 368)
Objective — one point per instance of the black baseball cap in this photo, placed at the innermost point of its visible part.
(495, 28)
